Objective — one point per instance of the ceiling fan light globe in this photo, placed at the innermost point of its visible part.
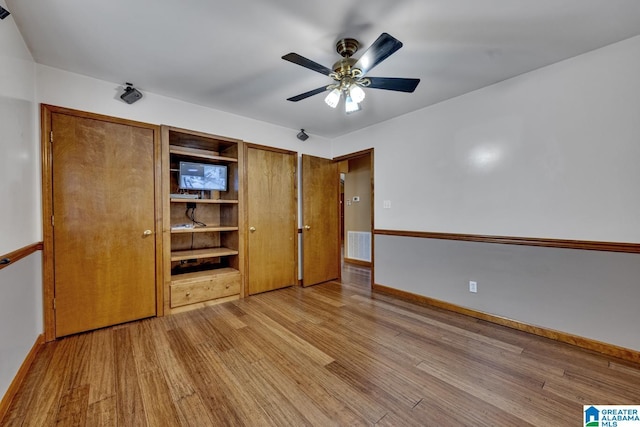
(357, 94)
(350, 106)
(333, 98)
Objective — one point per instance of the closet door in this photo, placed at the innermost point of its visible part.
(104, 223)
(271, 219)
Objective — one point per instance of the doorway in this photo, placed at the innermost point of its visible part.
(356, 216)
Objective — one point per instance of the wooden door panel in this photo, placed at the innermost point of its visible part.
(103, 201)
(320, 217)
(271, 220)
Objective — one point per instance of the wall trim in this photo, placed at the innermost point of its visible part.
(589, 245)
(20, 376)
(18, 254)
(354, 155)
(578, 341)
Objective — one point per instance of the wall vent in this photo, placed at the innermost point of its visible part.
(359, 245)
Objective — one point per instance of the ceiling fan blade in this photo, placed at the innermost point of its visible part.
(307, 94)
(381, 49)
(393, 83)
(307, 63)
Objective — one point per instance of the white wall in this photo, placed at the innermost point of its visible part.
(553, 153)
(20, 283)
(20, 159)
(65, 89)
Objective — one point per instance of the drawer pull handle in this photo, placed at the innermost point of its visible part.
(188, 294)
(5, 261)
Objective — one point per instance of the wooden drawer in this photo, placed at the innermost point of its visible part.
(202, 286)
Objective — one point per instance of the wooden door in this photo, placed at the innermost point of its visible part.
(320, 218)
(271, 218)
(104, 222)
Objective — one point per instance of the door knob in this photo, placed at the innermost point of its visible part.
(147, 232)
(307, 227)
(252, 229)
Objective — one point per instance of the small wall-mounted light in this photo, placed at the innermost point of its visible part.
(130, 94)
(4, 12)
(302, 136)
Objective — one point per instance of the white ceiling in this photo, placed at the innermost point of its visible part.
(227, 54)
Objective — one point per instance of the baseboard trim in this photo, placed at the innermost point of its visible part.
(20, 376)
(578, 341)
(357, 262)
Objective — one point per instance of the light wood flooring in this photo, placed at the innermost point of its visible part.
(332, 354)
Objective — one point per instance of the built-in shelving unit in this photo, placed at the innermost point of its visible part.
(203, 254)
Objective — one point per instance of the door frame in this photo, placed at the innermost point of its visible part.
(355, 155)
(245, 214)
(48, 273)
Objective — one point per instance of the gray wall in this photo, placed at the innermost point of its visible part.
(20, 314)
(586, 293)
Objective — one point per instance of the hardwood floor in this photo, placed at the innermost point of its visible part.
(326, 355)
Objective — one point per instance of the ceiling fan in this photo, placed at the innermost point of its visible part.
(349, 74)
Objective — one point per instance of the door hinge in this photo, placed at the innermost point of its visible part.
(51, 136)
(54, 303)
(52, 221)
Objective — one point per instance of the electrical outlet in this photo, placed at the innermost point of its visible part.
(473, 286)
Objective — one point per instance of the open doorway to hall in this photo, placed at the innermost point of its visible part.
(356, 217)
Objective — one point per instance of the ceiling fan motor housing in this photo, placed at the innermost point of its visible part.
(344, 67)
(346, 48)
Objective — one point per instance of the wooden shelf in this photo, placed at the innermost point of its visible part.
(202, 253)
(199, 154)
(205, 274)
(203, 201)
(207, 229)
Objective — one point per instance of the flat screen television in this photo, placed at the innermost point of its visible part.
(201, 176)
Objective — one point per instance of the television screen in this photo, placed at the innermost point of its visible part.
(200, 176)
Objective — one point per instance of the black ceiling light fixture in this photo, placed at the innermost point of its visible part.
(130, 94)
(350, 75)
(302, 136)
(4, 12)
